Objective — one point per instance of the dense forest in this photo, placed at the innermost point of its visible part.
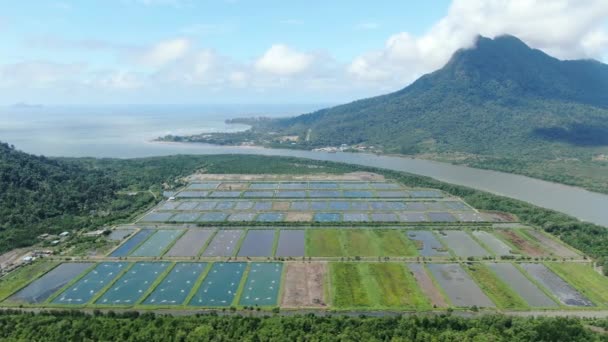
(50, 195)
(131, 326)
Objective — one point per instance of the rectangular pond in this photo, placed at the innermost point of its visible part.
(262, 285)
(428, 245)
(223, 243)
(156, 244)
(220, 285)
(185, 217)
(257, 243)
(42, 288)
(190, 205)
(157, 216)
(119, 234)
(563, 291)
(270, 217)
(174, 289)
(134, 241)
(190, 243)
(129, 288)
(328, 217)
(441, 217)
(509, 274)
(355, 217)
(87, 287)
(412, 217)
(459, 287)
(492, 242)
(203, 186)
(291, 243)
(242, 217)
(462, 244)
(213, 217)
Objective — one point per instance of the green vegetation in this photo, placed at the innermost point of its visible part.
(375, 286)
(131, 326)
(358, 243)
(23, 276)
(393, 242)
(323, 242)
(585, 279)
(50, 195)
(500, 293)
(394, 287)
(348, 288)
(500, 105)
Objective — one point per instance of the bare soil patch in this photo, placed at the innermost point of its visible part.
(280, 205)
(298, 217)
(427, 286)
(303, 286)
(233, 186)
(497, 216)
(522, 244)
(552, 245)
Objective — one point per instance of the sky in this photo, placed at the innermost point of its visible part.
(263, 51)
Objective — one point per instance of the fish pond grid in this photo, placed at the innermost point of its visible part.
(257, 243)
(262, 284)
(220, 285)
(458, 285)
(175, 287)
(223, 243)
(291, 243)
(157, 243)
(190, 244)
(131, 286)
(559, 288)
(527, 290)
(42, 288)
(87, 287)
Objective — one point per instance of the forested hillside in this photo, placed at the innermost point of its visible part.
(499, 97)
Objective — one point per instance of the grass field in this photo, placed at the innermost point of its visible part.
(23, 276)
(358, 242)
(392, 286)
(375, 286)
(323, 243)
(585, 279)
(393, 242)
(500, 293)
(348, 289)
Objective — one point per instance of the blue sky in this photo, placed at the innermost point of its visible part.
(237, 51)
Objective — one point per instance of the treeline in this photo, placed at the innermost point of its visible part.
(76, 326)
(49, 195)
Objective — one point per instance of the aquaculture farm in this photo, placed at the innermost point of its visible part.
(338, 243)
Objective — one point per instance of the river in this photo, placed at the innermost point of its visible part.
(126, 133)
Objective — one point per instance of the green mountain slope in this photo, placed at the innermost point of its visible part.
(498, 98)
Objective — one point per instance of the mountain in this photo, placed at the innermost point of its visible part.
(499, 97)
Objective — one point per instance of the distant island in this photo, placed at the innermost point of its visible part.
(500, 105)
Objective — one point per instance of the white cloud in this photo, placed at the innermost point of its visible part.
(39, 74)
(164, 52)
(284, 61)
(118, 80)
(564, 28)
